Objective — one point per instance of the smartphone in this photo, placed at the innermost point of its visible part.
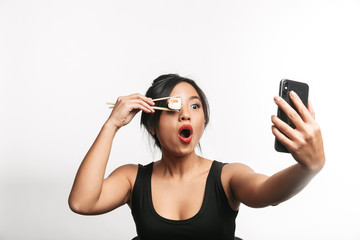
(302, 89)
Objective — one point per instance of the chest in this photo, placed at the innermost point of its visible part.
(178, 200)
(195, 209)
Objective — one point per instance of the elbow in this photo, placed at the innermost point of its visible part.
(74, 206)
(77, 207)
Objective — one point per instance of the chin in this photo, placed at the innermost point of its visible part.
(182, 151)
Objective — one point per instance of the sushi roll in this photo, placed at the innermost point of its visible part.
(174, 103)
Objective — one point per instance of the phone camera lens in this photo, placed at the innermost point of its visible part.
(285, 91)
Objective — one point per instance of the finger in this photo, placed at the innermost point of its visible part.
(300, 107)
(144, 98)
(311, 109)
(289, 111)
(144, 105)
(283, 127)
(282, 138)
(138, 106)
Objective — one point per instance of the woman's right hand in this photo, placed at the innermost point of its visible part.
(127, 107)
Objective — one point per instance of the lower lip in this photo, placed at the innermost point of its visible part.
(185, 140)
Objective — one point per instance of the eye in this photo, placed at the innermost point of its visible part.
(195, 106)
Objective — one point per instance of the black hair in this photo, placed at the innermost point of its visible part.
(162, 87)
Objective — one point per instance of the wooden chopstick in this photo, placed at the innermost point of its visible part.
(154, 107)
(154, 100)
(165, 109)
(159, 99)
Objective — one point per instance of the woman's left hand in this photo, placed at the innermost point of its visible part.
(305, 141)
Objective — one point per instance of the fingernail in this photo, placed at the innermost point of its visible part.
(293, 93)
(277, 98)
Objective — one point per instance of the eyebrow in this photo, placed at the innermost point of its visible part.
(194, 97)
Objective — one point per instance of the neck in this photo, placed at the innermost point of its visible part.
(180, 166)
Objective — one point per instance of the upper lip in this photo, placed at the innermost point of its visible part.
(186, 126)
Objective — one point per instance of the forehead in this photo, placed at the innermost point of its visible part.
(184, 90)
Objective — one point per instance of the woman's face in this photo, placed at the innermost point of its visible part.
(180, 132)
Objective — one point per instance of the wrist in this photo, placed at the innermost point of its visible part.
(314, 168)
(111, 126)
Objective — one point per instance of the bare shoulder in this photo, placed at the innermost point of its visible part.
(243, 183)
(127, 168)
(231, 169)
(122, 179)
(235, 172)
(229, 173)
(129, 171)
(239, 176)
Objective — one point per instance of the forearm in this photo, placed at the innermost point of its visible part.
(90, 176)
(305, 144)
(285, 184)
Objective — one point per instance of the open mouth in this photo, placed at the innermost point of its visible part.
(185, 133)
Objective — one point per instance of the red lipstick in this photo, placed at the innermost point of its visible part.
(185, 133)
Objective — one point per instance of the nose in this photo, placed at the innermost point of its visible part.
(184, 114)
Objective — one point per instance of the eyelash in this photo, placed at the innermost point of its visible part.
(197, 106)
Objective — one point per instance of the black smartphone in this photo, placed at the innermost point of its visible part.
(302, 89)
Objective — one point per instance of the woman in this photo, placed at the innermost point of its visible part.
(183, 195)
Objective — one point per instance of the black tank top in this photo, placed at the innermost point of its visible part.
(215, 219)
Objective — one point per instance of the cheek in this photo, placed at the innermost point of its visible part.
(200, 125)
(165, 127)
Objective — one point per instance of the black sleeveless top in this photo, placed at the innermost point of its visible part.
(215, 219)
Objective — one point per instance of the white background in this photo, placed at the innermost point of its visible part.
(60, 61)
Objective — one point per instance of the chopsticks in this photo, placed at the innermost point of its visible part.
(154, 107)
(159, 99)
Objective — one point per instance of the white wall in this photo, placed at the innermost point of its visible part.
(60, 61)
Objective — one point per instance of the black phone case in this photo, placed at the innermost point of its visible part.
(302, 89)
